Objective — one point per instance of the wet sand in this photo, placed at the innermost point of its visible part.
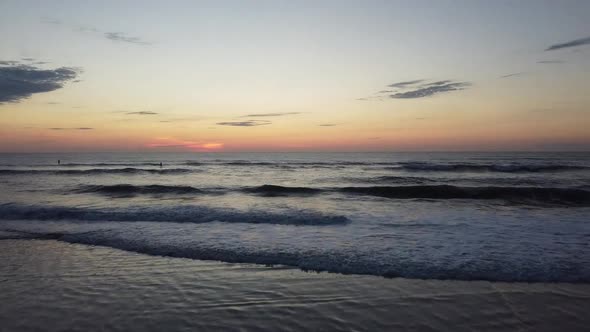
(54, 286)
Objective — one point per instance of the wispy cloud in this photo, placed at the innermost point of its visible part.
(437, 83)
(417, 89)
(573, 43)
(327, 125)
(87, 28)
(18, 82)
(249, 123)
(121, 37)
(142, 113)
(116, 36)
(50, 20)
(513, 75)
(404, 84)
(79, 128)
(9, 63)
(23, 61)
(430, 90)
(187, 119)
(261, 115)
(549, 62)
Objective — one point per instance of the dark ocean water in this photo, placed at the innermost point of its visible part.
(463, 216)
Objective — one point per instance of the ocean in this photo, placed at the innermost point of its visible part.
(295, 242)
(511, 217)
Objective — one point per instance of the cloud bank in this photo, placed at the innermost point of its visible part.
(19, 82)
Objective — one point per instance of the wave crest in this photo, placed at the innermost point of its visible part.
(273, 190)
(508, 168)
(522, 195)
(129, 189)
(182, 213)
(96, 171)
(514, 194)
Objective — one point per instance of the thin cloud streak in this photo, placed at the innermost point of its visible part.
(261, 115)
(430, 90)
(513, 75)
(49, 20)
(79, 128)
(573, 43)
(418, 89)
(551, 61)
(404, 84)
(443, 82)
(189, 119)
(115, 36)
(121, 37)
(250, 123)
(141, 113)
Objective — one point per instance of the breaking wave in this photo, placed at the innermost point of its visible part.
(407, 261)
(182, 213)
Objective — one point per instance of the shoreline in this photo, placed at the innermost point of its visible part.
(53, 285)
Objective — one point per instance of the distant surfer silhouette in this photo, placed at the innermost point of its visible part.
(160, 164)
(59, 162)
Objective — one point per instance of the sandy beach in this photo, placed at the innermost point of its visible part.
(54, 286)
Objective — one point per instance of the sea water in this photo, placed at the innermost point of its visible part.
(453, 216)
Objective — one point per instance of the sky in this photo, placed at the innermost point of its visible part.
(294, 76)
